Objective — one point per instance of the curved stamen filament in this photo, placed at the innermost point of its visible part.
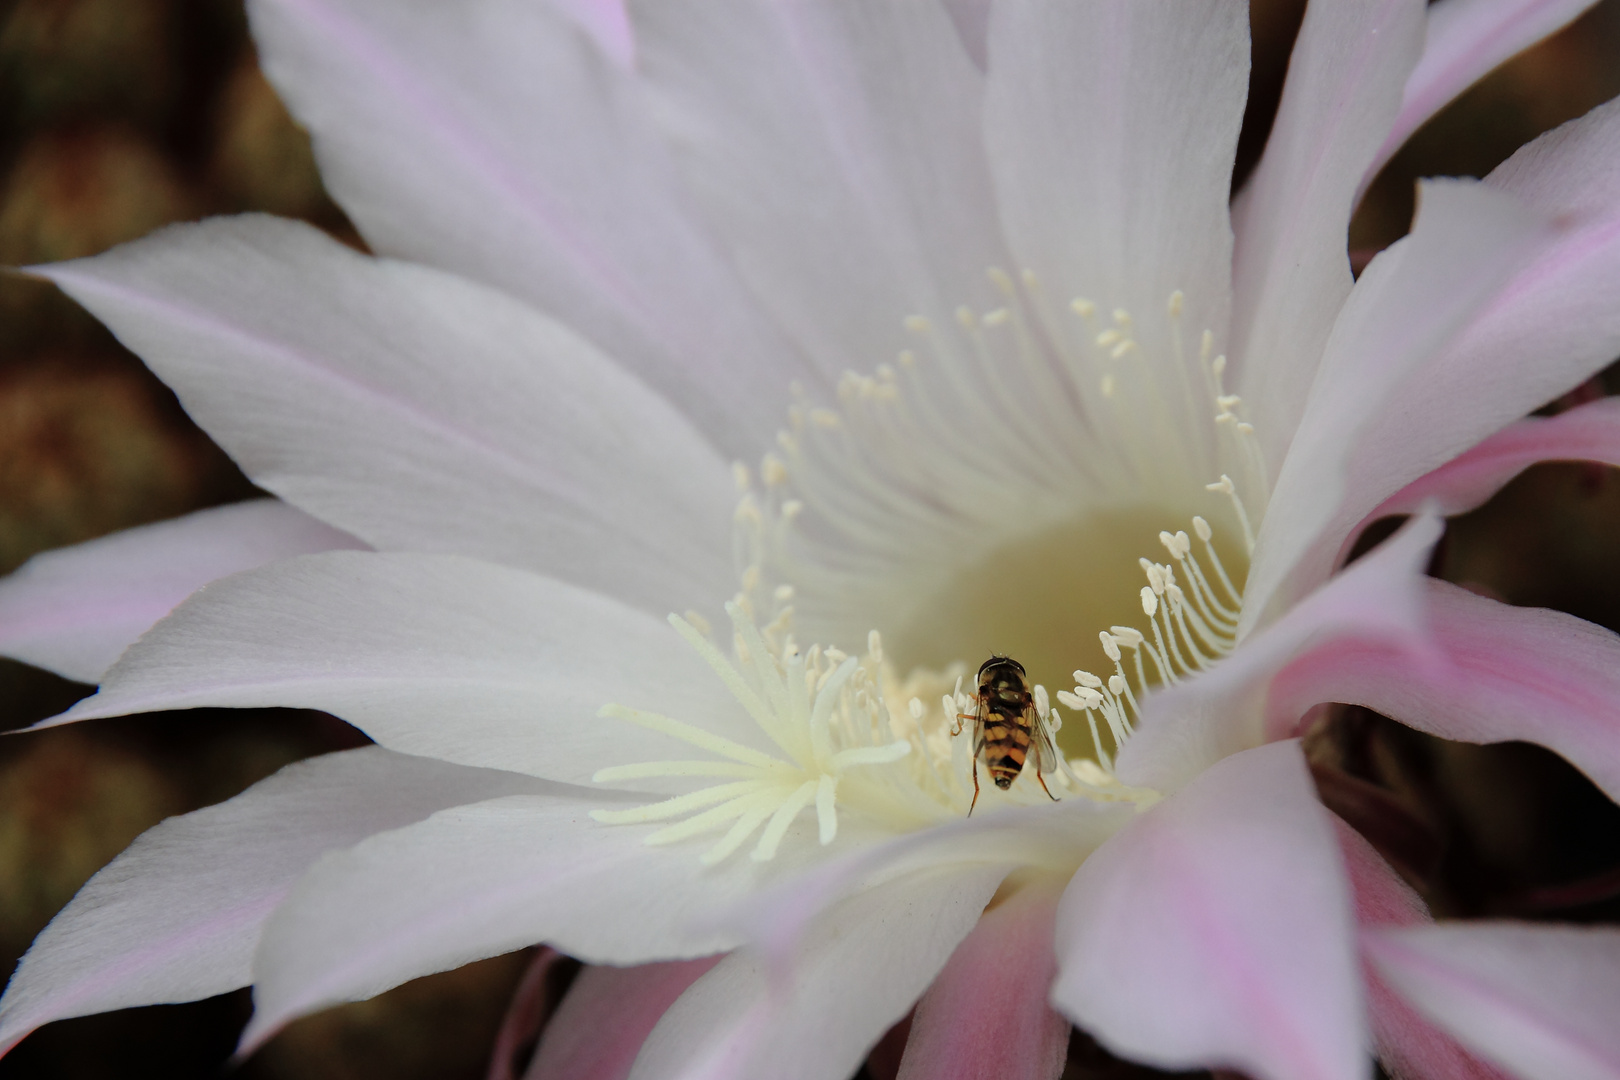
(698, 737)
(1190, 631)
(819, 707)
(678, 805)
(902, 497)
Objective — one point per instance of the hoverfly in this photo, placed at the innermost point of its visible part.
(1007, 727)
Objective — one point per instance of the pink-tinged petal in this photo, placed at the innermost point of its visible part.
(419, 411)
(1051, 837)
(1217, 930)
(1407, 306)
(986, 1013)
(860, 969)
(429, 654)
(1589, 432)
(1406, 1043)
(480, 880)
(1466, 39)
(1569, 171)
(532, 1004)
(1378, 600)
(1500, 673)
(1291, 271)
(177, 916)
(838, 150)
(1111, 128)
(1537, 1000)
(494, 139)
(1381, 897)
(75, 609)
(608, 1013)
(1550, 327)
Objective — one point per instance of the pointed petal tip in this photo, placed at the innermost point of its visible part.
(251, 1041)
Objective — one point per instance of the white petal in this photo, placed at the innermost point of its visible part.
(1465, 40)
(420, 411)
(1291, 271)
(73, 610)
(1409, 303)
(862, 967)
(492, 139)
(177, 916)
(837, 149)
(1537, 1000)
(1111, 129)
(607, 23)
(972, 19)
(607, 1014)
(1571, 170)
(428, 654)
(1216, 930)
(1553, 325)
(1053, 837)
(480, 880)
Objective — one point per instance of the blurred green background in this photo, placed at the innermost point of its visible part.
(118, 116)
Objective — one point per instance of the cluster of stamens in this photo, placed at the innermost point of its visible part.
(813, 706)
(892, 482)
(1190, 631)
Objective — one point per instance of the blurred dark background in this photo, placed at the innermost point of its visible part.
(118, 116)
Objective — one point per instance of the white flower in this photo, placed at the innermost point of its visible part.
(1004, 378)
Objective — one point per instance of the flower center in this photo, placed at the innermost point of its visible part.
(1042, 598)
(993, 491)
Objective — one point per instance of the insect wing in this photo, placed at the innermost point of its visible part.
(979, 709)
(1042, 747)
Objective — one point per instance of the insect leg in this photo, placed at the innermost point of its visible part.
(1044, 788)
(975, 801)
(960, 717)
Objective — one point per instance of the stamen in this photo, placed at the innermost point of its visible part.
(771, 838)
(951, 440)
(825, 817)
(678, 805)
(1225, 486)
(1189, 631)
(819, 706)
(646, 769)
(729, 811)
(698, 737)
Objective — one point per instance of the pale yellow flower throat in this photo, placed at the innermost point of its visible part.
(878, 512)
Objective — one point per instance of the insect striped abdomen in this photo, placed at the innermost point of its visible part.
(1004, 726)
(1004, 731)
